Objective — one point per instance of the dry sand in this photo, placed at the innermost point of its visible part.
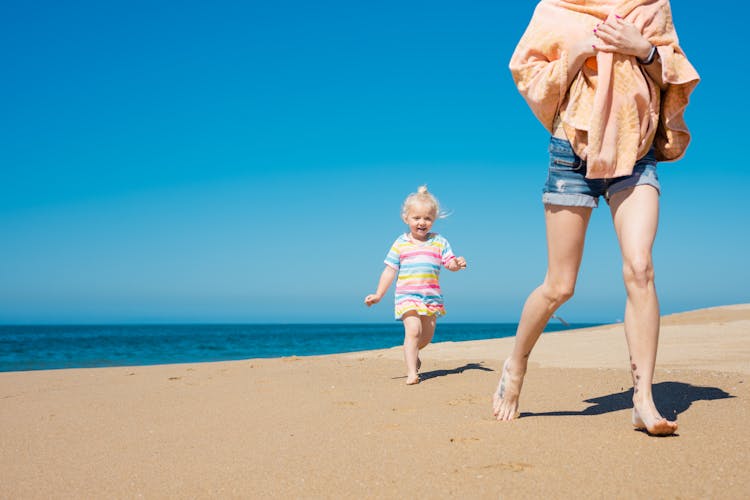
(347, 425)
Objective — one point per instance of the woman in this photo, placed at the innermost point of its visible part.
(609, 81)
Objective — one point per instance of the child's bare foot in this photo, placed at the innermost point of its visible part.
(412, 379)
(654, 424)
(505, 399)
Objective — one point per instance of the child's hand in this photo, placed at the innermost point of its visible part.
(457, 264)
(372, 299)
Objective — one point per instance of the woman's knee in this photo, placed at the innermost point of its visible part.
(638, 272)
(560, 292)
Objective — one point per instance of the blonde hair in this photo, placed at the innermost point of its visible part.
(424, 197)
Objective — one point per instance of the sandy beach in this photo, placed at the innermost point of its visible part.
(347, 426)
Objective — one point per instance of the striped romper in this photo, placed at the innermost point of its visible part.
(418, 265)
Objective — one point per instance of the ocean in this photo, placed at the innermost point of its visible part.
(46, 347)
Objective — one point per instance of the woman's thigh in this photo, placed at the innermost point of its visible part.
(566, 234)
(635, 213)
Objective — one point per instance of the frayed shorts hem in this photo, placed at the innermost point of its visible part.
(570, 200)
(567, 184)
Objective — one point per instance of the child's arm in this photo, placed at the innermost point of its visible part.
(389, 274)
(456, 264)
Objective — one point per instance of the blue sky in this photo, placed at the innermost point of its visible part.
(246, 162)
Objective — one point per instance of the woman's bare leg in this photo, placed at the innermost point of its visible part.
(635, 213)
(566, 232)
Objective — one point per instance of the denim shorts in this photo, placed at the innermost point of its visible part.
(567, 184)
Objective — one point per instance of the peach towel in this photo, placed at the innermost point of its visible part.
(612, 111)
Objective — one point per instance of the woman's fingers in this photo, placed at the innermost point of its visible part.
(621, 36)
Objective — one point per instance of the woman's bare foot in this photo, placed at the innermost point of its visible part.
(654, 424)
(505, 399)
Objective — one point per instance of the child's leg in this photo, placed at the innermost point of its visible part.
(412, 333)
(428, 330)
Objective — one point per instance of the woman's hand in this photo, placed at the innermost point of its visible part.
(585, 48)
(617, 35)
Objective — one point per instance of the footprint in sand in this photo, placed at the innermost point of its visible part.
(461, 401)
(465, 440)
(345, 403)
(403, 410)
(508, 466)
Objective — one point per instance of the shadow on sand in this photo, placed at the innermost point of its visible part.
(442, 373)
(672, 398)
(456, 371)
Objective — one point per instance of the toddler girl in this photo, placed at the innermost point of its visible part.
(416, 257)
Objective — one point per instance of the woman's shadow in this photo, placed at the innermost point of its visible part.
(673, 398)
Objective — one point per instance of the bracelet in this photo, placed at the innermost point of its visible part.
(650, 58)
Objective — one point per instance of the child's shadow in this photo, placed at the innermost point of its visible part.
(672, 399)
(456, 371)
(442, 373)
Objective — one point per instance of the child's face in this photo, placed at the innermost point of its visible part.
(420, 218)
